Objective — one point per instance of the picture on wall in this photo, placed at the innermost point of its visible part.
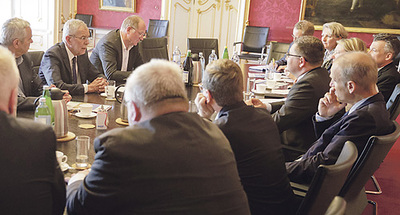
(371, 16)
(118, 5)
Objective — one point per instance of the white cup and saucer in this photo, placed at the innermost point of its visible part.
(85, 111)
(62, 161)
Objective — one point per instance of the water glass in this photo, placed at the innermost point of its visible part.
(82, 151)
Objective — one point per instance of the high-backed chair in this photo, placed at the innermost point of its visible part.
(157, 28)
(205, 45)
(393, 104)
(370, 159)
(326, 183)
(254, 42)
(153, 48)
(36, 57)
(277, 50)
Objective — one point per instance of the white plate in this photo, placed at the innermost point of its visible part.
(86, 116)
(103, 94)
(64, 167)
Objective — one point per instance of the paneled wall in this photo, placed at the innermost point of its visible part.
(147, 9)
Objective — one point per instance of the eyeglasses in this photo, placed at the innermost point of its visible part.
(293, 55)
(140, 34)
(81, 38)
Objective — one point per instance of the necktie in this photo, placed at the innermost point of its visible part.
(74, 70)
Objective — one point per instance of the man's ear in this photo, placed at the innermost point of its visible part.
(351, 86)
(302, 62)
(134, 113)
(12, 103)
(68, 40)
(208, 96)
(389, 56)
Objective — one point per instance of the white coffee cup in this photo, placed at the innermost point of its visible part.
(260, 88)
(110, 89)
(277, 76)
(85, 109)
(61, 158)
(271, 84)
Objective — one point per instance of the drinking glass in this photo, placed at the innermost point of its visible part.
(82, 152)
(110, 89)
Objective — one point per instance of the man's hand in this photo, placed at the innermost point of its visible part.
(97, 86)
(66, 97)
(281, 68)
(204, 110)
(329, 105)
(256, 103)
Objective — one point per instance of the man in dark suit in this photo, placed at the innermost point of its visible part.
(383, 50)
(31, 181)
(253, 136)
(16, 35)
(294, 116)
(67, 65)
(117, 54)
(168, 161)
(353, 83)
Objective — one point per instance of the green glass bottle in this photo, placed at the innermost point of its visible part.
(225, 55)
(42, 112)
(49, 103)
(188, 69)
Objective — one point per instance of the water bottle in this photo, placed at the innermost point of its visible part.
(212, 57)
(42, 112)
(235, 57)
(49, 103)
(225, 55)
(202, 62)
(176, 56)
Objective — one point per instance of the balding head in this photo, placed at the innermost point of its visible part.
(9, 78)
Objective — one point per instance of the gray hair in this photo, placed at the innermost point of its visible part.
(12, 29)
(311, 48)
(9, 75)
(358, 67)
(392, 44)
(337, 29)
(223, 78)
(71, 27)
(131, 21)
(306, 27)
(153, 82)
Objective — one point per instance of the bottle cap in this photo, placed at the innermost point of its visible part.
(42, 99)
(45, 87)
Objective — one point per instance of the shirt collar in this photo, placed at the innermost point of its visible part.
(70, 55)
(357, 104)
(19, 60)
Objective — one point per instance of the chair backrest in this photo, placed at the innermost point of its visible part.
(255, 38)
(337, 206)
(327, 182)
(36, 57)
(157, 28)
(86, 18)
(153, 48)
(277, 50)
(205, 45)
(392, 105)
(369, 161)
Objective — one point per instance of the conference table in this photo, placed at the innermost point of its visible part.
(69, 147)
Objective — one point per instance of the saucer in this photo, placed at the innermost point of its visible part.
(85, 116)
(64, 167)
(103, 94)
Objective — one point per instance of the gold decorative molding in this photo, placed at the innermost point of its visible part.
(187, 9)
(187, 1)
(199, 12)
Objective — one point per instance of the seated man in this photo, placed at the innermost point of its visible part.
(301, 28)
(117, 54)
(168, 161)
(383, 50)
(294, 116)
(253, 136)
(353, 83)
(31, 181)
(67, 65)
(16, 35)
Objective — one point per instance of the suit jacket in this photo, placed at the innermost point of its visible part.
(32, 85)
(294, 117)
(255, 141)
(55, 69)
(177, 163)
(370, 118)
(107, 57)
(31, 181)
(388, 77)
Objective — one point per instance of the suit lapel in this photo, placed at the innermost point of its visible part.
(66, 61)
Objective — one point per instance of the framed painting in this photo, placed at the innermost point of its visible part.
(369, 16)
(118, 5)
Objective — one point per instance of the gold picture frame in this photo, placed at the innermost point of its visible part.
(367, 17)
(118, 5)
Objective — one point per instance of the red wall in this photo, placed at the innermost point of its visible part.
(147, 9)
(280, 16)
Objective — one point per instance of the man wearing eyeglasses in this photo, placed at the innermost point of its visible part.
(67, 65)
(117, 54)
(294, 116)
